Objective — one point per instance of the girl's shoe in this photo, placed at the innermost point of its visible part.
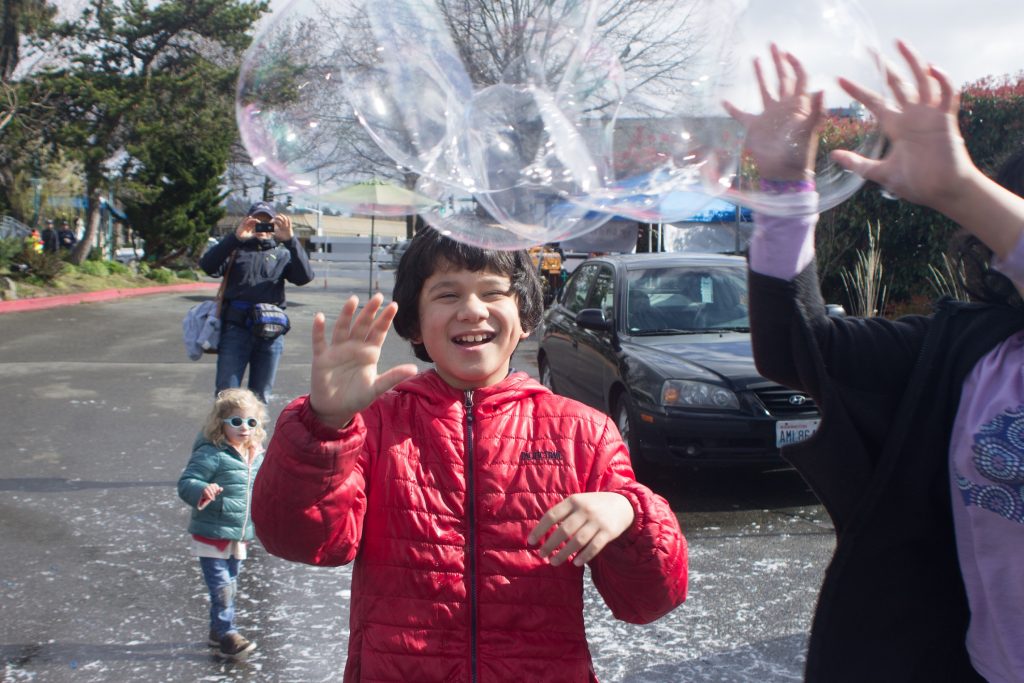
(234, 647)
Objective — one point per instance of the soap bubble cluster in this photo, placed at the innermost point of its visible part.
(515, 130)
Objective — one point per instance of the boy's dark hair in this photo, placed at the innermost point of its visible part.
(430, 251)
(980, 280)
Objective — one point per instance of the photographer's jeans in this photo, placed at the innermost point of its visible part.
(238, 348)
(221, 578)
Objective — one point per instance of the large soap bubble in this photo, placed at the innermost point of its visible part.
(292, 112)
(319, 107)
(531, 134)
(831, 38)
(668, 125)
(462, 216)
(411, 89)
(538, 127)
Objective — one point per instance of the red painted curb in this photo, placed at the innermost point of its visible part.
(39, 303)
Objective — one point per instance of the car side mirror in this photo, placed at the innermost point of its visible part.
(593, 319)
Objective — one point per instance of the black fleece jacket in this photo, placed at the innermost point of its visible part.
(892, 606)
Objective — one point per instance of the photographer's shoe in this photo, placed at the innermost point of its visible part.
(234, 647)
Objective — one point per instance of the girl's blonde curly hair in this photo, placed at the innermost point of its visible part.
(228, 403)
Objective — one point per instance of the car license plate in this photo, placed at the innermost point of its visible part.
(789, 432)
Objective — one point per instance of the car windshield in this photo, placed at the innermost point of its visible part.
(686, 299)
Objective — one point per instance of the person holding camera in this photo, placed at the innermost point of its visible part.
(66, 237)
(257, 259)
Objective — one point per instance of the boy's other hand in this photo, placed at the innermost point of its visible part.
(344, 377)
(584, 523)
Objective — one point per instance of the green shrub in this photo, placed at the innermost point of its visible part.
(94, 268)
(164, 276)
(8, 248)
(187, 274)
(118, 268)
(30, 264)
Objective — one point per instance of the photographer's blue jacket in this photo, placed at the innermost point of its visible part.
(260, 269)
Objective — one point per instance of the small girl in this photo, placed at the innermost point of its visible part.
(217, 484)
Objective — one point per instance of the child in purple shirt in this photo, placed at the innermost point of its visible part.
(890, 610)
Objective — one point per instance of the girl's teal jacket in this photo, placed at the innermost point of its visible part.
(228, 516)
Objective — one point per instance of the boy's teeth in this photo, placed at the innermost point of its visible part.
(472, 339)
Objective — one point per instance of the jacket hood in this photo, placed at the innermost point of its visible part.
(200, 440)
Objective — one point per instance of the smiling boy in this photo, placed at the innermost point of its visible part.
(442, 485)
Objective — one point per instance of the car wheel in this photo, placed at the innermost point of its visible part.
(624, 416)
(546, 377)
(624, 421)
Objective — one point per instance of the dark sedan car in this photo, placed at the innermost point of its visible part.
(661, 342)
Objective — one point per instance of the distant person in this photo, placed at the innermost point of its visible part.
(66, 237)
(919, 458)
(258, 257)
(49, 238)
(469, 496)
(217, 485)
(35, 241)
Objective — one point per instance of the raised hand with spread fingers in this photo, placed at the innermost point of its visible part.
(783, 138)
(344, 378)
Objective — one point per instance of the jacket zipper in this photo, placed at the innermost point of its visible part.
(471, 532)
(248, 498)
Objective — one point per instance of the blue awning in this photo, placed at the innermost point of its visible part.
(119, 215)
(719, 211)
(83, 204)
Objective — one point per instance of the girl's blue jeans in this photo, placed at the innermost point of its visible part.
(239, 347)
(221, 578)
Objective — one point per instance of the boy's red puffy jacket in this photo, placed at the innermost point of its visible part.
(433, 492)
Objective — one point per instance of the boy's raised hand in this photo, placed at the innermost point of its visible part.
(927, 160)
(783, 138)
(584, 523)
(344, 377)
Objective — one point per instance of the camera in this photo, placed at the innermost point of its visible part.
(264, 227)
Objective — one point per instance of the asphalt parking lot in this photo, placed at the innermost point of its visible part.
(99, 406)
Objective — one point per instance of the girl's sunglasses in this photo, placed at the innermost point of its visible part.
(236, 421)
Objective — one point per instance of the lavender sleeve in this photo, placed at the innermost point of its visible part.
(782, 246)
(1012, 265)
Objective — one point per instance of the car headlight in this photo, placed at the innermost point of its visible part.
(682, 393)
